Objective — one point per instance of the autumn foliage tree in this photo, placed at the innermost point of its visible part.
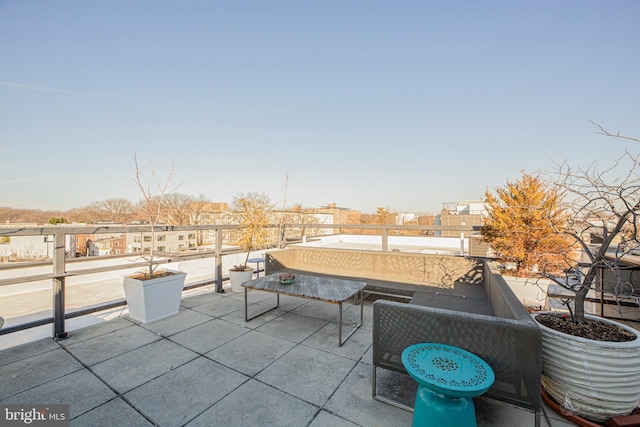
(384, 216)
(523, 223)
(252, 213)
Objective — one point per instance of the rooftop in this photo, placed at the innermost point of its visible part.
(207, 366)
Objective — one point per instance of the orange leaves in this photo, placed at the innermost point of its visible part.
(526, 225)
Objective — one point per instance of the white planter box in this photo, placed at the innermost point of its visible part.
(594, 379)
(237, 278)
(155, 299)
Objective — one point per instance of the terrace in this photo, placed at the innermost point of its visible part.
(207, 366)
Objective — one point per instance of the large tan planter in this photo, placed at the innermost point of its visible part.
(597, 380)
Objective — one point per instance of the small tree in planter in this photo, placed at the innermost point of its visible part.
(252, 214)
(153, 295)
(591, 366)
(152, 210)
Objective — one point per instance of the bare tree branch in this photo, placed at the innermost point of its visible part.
(616, 135)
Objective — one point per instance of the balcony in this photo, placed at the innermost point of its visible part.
(207, 366)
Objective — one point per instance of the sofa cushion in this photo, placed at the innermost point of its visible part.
(463, 297)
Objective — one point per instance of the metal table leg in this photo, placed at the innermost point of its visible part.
(355, 297)
(246, 307)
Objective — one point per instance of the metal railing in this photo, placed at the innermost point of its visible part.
(59, 273)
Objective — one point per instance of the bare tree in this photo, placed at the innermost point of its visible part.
(281, 227)
(177, 209)
(152, 205)
(197, 214)
(299, 215)
(118, 210)
(604, 204)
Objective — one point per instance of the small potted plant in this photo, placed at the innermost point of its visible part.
(153, 294)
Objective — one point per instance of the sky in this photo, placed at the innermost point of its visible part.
(398, 104)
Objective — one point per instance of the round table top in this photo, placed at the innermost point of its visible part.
(448, 370)
(255, 260)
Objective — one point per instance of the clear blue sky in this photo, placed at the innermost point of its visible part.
(401, 104)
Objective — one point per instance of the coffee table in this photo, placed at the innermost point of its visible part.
(327, 289)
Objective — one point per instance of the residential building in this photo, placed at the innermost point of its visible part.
(163, 241)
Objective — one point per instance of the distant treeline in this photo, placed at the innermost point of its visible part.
(37, 216)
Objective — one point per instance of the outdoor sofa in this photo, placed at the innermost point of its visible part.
(486, 319)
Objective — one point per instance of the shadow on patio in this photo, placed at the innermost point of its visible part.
(207, 367)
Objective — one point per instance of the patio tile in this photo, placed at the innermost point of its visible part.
(207, 336)
(253, 296)
(397, 386)
(287, 302)
(307, 373)
(96, 330)
(257, 404)
(319, 310)
(491, 413)
(185, 392)
(368, 357)
(203, 298)
(326, 338)
(33, 371)
(80, 390)
(143, 364)
(23, 351)
(220, 306)
(186, 319)
(353, 401)
(237, 316)
(251, 352)
(351, 315)
(103, 347)
(325, 419)
(292, 327)
(116, 412)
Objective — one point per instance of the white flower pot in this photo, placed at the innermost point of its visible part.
(154, 299)
(237, 278)
(597, 380)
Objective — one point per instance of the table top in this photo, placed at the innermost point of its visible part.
(448, 370)
(255, 260)
(327, 289)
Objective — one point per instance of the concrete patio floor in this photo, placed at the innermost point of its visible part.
(207, 367)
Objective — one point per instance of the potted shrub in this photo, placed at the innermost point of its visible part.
(591, 365)
(252, 215)
(153, 294)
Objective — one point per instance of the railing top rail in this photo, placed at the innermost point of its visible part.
(104, 229)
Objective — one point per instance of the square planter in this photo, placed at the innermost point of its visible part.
(154, 299)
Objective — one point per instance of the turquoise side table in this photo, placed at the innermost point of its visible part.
(448, 378)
